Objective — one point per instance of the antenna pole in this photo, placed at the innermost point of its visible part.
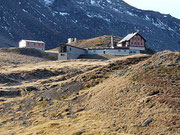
(112, 42)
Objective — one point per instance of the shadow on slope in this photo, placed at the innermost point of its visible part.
(24, 51)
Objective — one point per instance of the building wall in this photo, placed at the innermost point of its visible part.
(142, 48)
(74, 53)
(62, 56)
(132, 52)
(71, 53)
(109, 51)
(137, 41)
(22, 44)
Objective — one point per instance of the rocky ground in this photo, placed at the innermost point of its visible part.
(129, 95)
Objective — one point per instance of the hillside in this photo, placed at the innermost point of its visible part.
(54, 21)
(19, 56)
(98, 42)
(129, 95)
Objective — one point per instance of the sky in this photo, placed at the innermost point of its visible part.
(171, 7)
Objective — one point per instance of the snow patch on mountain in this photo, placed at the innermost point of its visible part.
(109, 1)
(63, 13)
(48, 2)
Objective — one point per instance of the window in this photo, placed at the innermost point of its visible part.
(69, 49)
(134, 43)
(138, 43)
(131, 43)
(141, 43)
(62, 54)
(104, 52)
(63, 49)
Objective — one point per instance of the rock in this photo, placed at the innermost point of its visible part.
(80, 110)
(152, 106)
(1, 100)
(68, 113)
(121, 73)
(24, 123)
(146, 122)
(154, 93)
(168, 129)
(78, 133)
(31, 88)
(48, 99)
(66, 110)
(148, 100)
(40, 99)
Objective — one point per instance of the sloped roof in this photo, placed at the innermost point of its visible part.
(65, 44)
(128, 37)
(32, 41)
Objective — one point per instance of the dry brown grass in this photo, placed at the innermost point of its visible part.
(106, 103)
(98, 42)
(13, 57)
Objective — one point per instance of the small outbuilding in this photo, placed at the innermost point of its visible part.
(40, 45)
(67, 51)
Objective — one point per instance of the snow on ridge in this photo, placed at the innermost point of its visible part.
(130, 13)
(48, 2)
(97, 2)
(109, 1)
(98, 16)
(63, 13)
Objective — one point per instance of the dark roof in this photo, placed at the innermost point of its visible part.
(129, 36)
(63, 44)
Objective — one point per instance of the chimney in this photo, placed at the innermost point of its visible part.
(70, 40)
(112, 42)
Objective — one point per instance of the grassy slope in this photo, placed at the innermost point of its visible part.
(98, 42)
(18, 56)
(101, 97)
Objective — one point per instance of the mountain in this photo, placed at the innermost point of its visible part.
(53, 21)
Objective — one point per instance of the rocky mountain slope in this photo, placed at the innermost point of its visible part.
(128, 95)
(54, 21)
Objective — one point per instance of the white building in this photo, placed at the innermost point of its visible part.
(70, 52)
(40, 45)
(132, 44)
